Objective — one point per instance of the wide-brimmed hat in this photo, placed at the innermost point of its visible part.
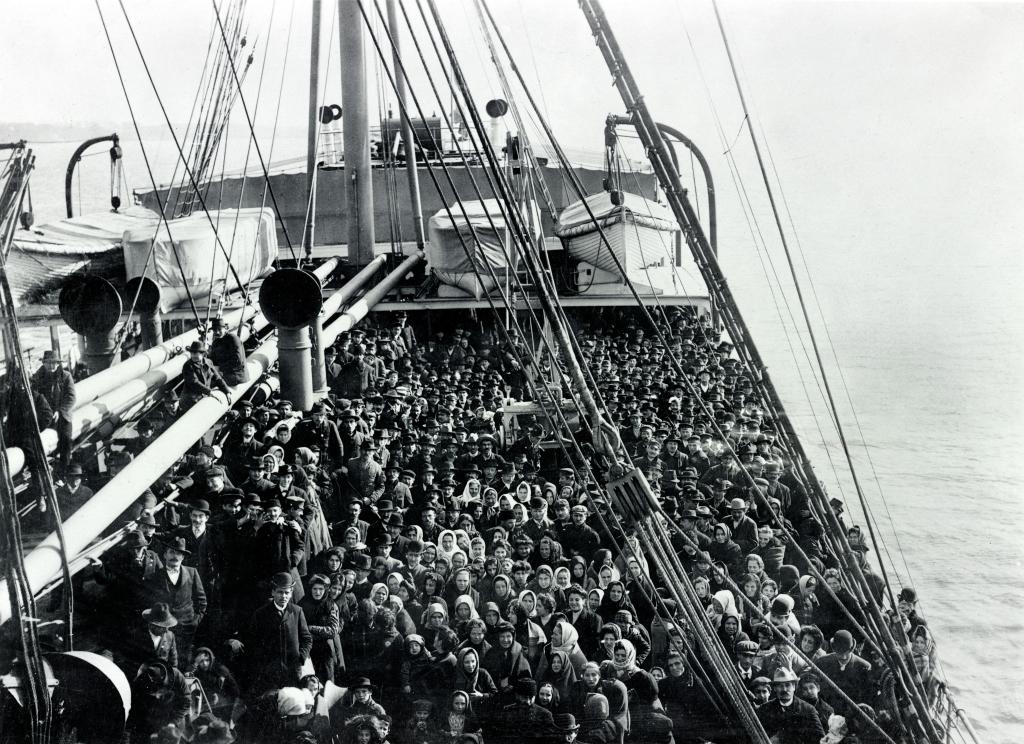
(160, 614)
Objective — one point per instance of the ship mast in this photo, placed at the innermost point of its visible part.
(356, 134)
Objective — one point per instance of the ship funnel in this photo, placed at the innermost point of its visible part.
(291, 299)
(496, 108)
(91, 307)
(148, 307)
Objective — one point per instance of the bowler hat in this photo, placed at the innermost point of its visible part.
(178, 545)
(201, 505)
(282, 580)
(842, 642)
(566, 722)
(197, 346)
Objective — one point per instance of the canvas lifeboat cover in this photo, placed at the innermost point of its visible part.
(446, 253)
(636, 230)
(248, 236)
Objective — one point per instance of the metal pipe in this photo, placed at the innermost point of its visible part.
(314, 123)
(316, 355)
(296, 368)
(76, 156)
(151, 327)
(44, 563)
(82, 527)
(353, 285)
(347, 320)
(356, 133)
(407, 136)
(99, 350)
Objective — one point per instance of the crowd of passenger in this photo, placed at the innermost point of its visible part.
(418, 560)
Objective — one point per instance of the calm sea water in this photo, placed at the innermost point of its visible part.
(932, 349)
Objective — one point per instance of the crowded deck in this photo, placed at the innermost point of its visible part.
(427, 556)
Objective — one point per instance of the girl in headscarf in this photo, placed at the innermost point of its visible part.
(563, 578)
(549, 698)
(614, 599)
(521, 515)
(528, 601)
(379, 594)
(730, 634)
(471, 678)
(556, 669)
(606, 574)
(464, 612)
(594, 598)
(578, 572)
(429, 555)
(491, 617)
(459, 719)
(807, 602)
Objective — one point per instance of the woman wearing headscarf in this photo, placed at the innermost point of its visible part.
(470, 493)
(506, 661)
(527, 632)
(501, 592)
(722, 603)
(446, 544)
(627, 669)
(555, 669)
(724, 549)
(471, 677)
(595, 597)
(614, 599)
(564, 638)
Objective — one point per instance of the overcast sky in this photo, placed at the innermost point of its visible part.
(907, 111)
